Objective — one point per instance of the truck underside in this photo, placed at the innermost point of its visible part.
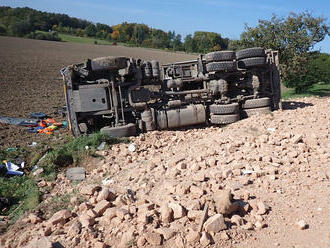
(123, 96)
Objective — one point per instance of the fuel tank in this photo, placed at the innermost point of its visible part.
(180, 117)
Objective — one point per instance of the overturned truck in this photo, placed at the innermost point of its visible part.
(124, 96)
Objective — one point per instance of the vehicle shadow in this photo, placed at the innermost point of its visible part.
(292, 105)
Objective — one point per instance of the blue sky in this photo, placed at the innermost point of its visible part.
(222, 16)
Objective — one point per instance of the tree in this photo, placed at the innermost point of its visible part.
(22, 27)
(177, 44)
(115, 35)
(209, 41)
(140, 33)
(203, 43)
(319, 68)
(294, 38)
(90, 30)
(103, 27)
(160, 39)
(189, 44)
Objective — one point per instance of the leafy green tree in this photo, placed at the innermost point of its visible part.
(22, 27)
(203, 43)
(160, 39)
(79, 32)
(177, 43)
(189, 44)
(103, 27)
(140, 33)
(319, 68)
(90, 30)
(294, 38)
(209, 41)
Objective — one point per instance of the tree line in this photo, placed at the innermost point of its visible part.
(294, 37)
(25, 22)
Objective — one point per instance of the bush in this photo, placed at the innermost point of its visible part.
(31, 35)
(3, 30)
(43, 36)
(47, 36)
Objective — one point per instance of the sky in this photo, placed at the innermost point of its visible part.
(183, 16)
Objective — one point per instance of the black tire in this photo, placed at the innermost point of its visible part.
(224, 119)
(220, 56)
(256, 103)
(224, 108)
(250, 53)
(221, 66)
(250, 112)
(108, 63)
(120, 131)
(251, 62)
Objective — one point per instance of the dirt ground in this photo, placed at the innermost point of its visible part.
(277, 166)
(30, 79)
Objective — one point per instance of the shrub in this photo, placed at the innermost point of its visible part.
(3, 30)
(44, 36)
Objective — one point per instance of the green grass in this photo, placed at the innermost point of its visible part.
(73, 151)
(22, 193)
(13, 155)
(86, 40)
(315, 90)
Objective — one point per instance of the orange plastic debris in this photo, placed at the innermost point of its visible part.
(46, 130)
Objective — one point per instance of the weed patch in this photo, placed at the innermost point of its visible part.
(73, 151)
(22, 194)
(19, 194)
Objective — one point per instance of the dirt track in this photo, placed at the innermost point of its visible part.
(277, 166)
(30, 79)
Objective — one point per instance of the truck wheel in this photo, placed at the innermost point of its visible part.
(108, 63)
(224, 119)
(250, 53)
(221, 66)
(220, 56)
(224, 109)
(256, 103)
(251, 62)
(120, 131)
(254, 111)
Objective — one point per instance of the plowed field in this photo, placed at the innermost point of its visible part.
(30, 79)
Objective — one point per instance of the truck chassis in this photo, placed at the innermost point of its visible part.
(124, 96)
